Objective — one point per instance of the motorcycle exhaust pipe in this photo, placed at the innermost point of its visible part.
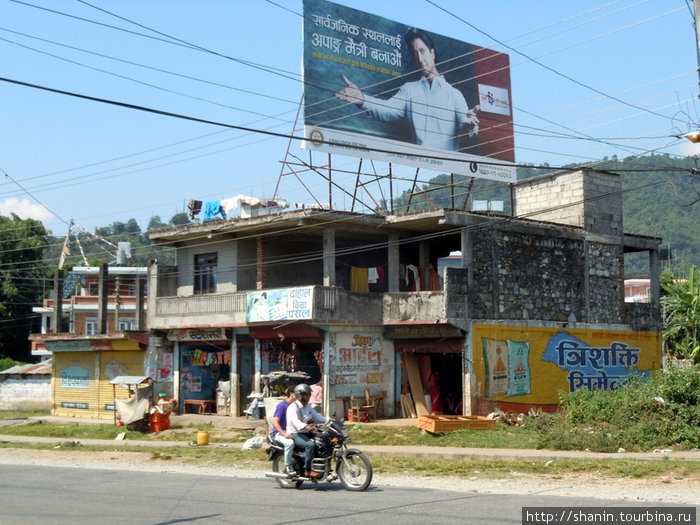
(282, 475)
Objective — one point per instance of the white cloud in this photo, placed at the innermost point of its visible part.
(689, 149)
(24, 209)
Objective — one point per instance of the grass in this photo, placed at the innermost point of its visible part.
(503, 437)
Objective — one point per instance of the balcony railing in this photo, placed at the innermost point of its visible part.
(330, 305)
(201, 304)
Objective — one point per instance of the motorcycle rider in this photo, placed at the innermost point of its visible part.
(299, 415)
(279, 430)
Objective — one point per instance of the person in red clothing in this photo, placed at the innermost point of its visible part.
(435, 394)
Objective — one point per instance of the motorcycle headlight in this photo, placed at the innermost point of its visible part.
(346, 432)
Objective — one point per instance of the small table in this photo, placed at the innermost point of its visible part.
(204, 406)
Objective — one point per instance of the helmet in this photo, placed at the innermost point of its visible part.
(300, 389)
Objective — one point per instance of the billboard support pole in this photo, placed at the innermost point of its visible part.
(357, 184)
(289, 143)
(469, 192)
(330, 183)
(391, 189)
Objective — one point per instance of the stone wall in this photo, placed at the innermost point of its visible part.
(605, 283)
(528, 275)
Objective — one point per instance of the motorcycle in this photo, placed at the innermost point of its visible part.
(332, 459)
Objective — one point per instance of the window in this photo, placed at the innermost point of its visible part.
(205, 273)
(127, 324)
(91, 326)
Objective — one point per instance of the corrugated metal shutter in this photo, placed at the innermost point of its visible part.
(129, 363)
(75, 385)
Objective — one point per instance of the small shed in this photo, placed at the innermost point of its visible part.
(83, 366)
(25, 388)
(135, 407)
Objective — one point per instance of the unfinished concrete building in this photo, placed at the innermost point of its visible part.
(443, 310)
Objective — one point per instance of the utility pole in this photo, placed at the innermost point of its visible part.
(696, 6)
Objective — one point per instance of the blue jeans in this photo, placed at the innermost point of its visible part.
(302, 439)
(288, 445)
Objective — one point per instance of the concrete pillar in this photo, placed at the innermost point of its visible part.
(234, 378)
(103, 299)
(393, 263)
(654, 278)
(57, 319)
(261, 264)
(329, 257)
(423, 260)
(328, 347)
(140, 317)
(467, 255)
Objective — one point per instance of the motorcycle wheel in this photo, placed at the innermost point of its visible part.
(356, 472)
(278, 466)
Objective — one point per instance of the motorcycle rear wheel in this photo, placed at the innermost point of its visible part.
(278, 466)
(359, 474)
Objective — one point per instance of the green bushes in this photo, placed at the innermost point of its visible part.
(661, 412)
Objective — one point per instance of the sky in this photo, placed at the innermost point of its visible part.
(590, 79)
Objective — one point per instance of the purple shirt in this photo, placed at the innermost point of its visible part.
(280, 412)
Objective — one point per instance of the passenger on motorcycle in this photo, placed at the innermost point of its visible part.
(299, 415)
(279, 430)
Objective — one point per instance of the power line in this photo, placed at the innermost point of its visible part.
(551, 69)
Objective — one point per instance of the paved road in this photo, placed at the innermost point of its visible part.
(74, 496)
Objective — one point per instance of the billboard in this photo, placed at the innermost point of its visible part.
(526, 365)
(381, 90)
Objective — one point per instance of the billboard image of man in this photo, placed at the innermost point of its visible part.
(436, 112)
(378, 89)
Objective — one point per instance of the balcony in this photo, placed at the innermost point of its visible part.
(329, 305)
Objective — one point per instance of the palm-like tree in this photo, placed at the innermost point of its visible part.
(681, 312)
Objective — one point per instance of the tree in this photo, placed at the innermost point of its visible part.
(156, 224)
(681, 311)
(22, 246)
(180, 219)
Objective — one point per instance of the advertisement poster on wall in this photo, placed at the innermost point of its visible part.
(360, 362)
(531, 365)
(279, 305)
(378, 89)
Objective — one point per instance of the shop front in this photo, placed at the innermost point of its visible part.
(204, 359)
(294, 352)
(361, 372)
(430, 369)
(83, 368)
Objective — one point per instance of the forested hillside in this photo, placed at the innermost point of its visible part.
(663, 200)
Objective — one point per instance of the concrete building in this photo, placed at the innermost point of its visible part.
(25, 388)
(523, 306)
